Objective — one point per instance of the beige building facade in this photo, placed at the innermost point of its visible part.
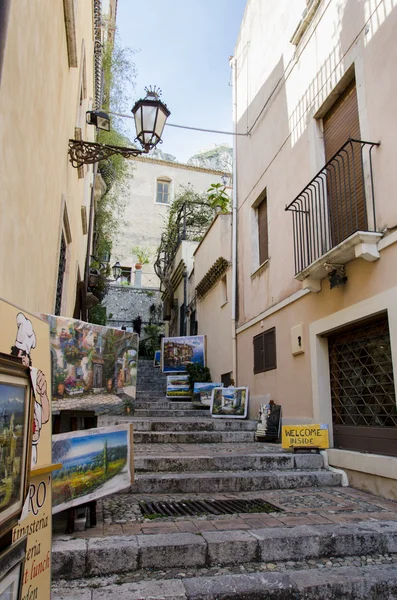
(316, 220)
(148, 194)
(48, 83)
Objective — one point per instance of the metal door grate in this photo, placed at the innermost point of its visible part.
(191, 508)
(362, 386)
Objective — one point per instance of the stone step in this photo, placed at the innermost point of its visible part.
(79, 558)
(236, 481)
(172, 413)
(193, 437)
(345, 583)
(188, 425)
(229, 462)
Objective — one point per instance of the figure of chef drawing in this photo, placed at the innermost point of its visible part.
(25, 342)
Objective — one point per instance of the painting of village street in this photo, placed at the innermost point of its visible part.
(95, 463)
(179, 352)
(13, 407)
(88, 358)
(229, 402)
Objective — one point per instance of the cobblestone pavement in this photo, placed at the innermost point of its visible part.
(101, 403)
(120, 514)
(150, 574)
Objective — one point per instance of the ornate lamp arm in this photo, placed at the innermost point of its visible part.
(89, 153)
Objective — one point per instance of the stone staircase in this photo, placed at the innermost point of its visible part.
(322, 541)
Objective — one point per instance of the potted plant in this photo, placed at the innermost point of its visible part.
(142, 254)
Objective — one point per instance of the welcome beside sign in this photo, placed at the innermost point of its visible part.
(305, 436)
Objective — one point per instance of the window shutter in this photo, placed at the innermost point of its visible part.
(269, 345)
(258, 354)
(263, 232)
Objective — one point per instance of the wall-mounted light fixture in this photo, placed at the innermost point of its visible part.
(116, 269)
(150, 115)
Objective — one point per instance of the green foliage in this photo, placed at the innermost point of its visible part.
(197, 374)
(142, 253)
(98, 315)
(218, 197)
(150, 343)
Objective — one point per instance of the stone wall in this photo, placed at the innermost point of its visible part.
(126, 303)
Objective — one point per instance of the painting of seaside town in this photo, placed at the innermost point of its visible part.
(204, 390)
(88, 358)
(229, 402)
(178, 387)
(95, 463)
(14, 408)
(179, 352)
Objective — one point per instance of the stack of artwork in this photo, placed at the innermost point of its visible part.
(178, 387)
(95, 463)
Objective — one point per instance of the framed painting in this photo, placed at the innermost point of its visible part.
(16, 431)
(95, 463)
(157, 359)
(178, 387)
(204, 392)
(11, 571)
(230, 402)
(179, 352)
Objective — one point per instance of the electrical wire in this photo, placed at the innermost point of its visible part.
(185, 126)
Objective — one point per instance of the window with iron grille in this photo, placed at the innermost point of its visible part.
(263, 237)
(265, 358)
(363, 397)
(61, 273)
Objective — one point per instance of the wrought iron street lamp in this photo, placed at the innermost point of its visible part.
(116, 271)
(150, 116)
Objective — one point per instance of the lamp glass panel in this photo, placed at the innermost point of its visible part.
(161, 119)
(138, 121)
(103, 123)
(149, 117)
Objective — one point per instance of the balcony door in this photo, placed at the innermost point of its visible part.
(346, 198)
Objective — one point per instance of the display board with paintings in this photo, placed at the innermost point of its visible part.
(95, 463)
(179, 352)
(230, 402)
(178, 387)
(204, 392)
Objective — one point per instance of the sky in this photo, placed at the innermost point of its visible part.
(183, 46)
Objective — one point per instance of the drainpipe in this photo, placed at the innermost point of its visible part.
(184, 275)
(4, 14)
(234, 223)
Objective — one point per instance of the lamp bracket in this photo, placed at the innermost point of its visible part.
(340, 269)
(89, 153)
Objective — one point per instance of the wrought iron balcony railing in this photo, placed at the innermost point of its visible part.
(336, 203)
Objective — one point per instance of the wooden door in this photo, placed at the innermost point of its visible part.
(345, 181)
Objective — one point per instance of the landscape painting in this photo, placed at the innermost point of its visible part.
(229, 402)
(157, 359)
(178, 387)
(95, 463)
(204, 390)
(89, 358)
(179, 352)
(15, 439)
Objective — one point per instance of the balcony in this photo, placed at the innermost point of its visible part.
(334, 218)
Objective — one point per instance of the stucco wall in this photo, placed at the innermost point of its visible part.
(144, 218)
(39, 110)
(285, 149)
(289, 90)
